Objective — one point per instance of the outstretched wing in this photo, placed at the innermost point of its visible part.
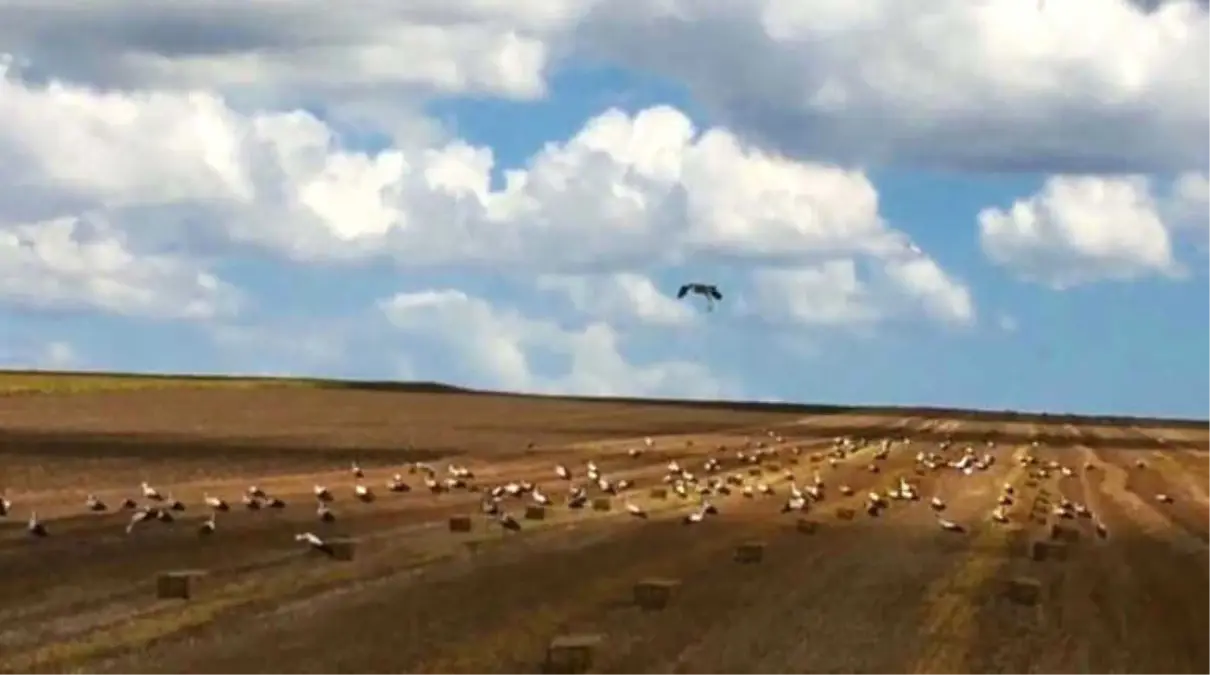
(681, 293)
(713, 290)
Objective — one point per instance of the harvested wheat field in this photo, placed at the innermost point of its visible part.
(924, 541)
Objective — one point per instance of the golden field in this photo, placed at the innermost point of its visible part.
(890, 593)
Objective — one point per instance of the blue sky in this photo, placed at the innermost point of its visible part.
(1076, 283)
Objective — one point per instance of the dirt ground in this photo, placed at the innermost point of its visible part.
(892, 593)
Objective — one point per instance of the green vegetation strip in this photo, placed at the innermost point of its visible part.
(38, 382)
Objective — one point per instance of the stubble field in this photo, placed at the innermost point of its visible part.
(888, 593)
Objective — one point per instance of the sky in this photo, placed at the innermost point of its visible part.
(972, 203)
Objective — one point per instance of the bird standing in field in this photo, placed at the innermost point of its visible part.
(35, 526)
(142, 515)
(312, 540)
(950, 526)
(509, 523)
(325, 514)
(208, 525)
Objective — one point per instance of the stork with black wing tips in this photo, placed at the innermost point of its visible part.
(708, 291)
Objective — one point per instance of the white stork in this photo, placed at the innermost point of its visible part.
(150, 492)
(312, 540)
(35, 526)
(207, 526)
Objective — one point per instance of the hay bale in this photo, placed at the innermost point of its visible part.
(750, 552)
(1042, 550)
(816, 459)
(1024, 591)
(659, 493)
(460, 523)
(845, 513)
(571, 653)
(535, 512)
(342, 548)
(791, 461)
(1060, 532)
(1031, 483)
(602, 504)
(1017, 540)
(177, 585)
(773, 466)
(755, 471)
(806, 526)
(652, 594)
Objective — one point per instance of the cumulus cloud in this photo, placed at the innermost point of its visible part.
(989, 84)
(1186, 207)
(74, 263)
(986, 84)
(837, 293)
(621, 298)
(503, 347)
(1082, 229)
(920, 280)
(284, 47)
(145, 144)
(827, 294)
(185, 171)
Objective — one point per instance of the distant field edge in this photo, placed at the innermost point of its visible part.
(63, 381)
(15, 382)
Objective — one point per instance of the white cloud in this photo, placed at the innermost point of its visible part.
(1083, 85)
(1083, 229)
(837, 293)
(170, 157)
(1007, 322)
(170, 171)
(500, 346)
(58, 354)
(297, 46)
(920, 280)
(623, 190)
(962, 83)
(1186, 207)
(143, 142)
(73, 264)
(624, 297)
(827, 294)
(23, 352)
(283, 348)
